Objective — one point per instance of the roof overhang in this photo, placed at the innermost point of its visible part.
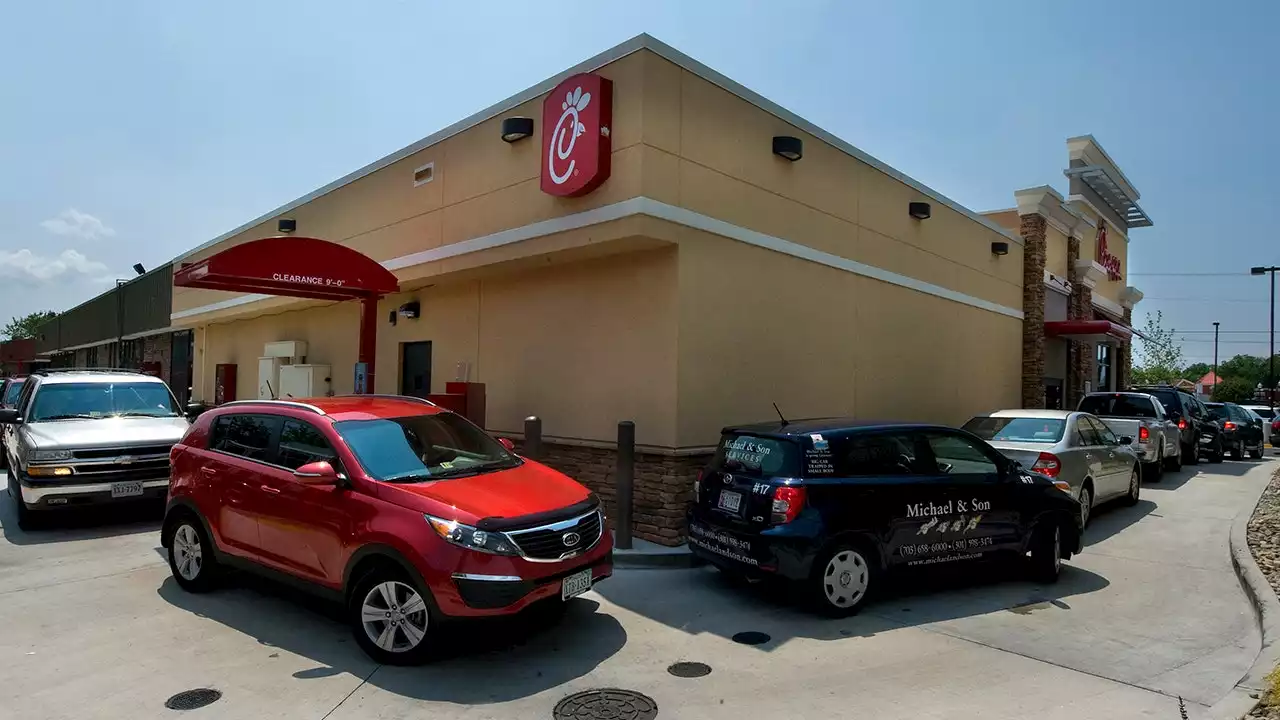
(292, 267)
(1112, 193)
(1088, 330)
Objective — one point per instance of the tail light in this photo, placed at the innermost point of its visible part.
(788, 501)
(1143, 434)
(1182, 424)
(1228, 425)
(1047, 464)
(697, 486)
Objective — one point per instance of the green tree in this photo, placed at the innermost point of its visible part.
(1161, 353)
(1232, 390)
(1247, 368)
(1195, 371)
(25, 326)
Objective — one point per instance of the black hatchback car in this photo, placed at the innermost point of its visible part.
(834, 503)
(1241, 432)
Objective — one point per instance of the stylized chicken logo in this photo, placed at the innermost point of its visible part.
(568, 128)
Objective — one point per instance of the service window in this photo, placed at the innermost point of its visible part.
(302, 443)
(959, 455)
(877, 454)
(248, 436)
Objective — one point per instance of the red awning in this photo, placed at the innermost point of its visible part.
(293, 267)
(1089, 330)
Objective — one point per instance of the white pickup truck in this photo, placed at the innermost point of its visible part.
(1141, 417)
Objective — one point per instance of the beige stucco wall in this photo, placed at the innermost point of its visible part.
(583, 345)
(1055, 249)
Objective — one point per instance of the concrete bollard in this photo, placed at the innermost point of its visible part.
(533, 437)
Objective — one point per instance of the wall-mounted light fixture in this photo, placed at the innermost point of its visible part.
(999, 247)
(790, 148)
(137, 267)
(920, 210)
(410, 310)
(286, 225)
(516, 128)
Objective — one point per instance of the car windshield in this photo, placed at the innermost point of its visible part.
(1263, 412)
(11, 393)
(1017, 429)
(1168, 399)
(418, 448)
(1118, 406)
(67, 401)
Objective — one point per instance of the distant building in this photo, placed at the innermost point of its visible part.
(1205, 385)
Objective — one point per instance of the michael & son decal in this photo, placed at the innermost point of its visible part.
(948, 527)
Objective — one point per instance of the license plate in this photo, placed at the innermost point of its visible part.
(575, 584)
(126, 489)
(730, 500)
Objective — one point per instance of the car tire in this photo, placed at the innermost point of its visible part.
(1154, 472)
(1190, 455)
(1256, 453)
(1135, 488)
(28, 519)
(1086, 505)
(191, 555)
(1174, 461)
(1046, 552)
(406, 631)
(1218, 453)
(843, 577)
(1237, 452)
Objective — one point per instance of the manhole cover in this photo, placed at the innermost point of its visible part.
(606, 704)
(751, 637)
(690, 669)
(192, 699)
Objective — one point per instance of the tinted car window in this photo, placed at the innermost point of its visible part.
(958, 455)
(12, 392)
(1218, 411)
(863, 454)
(1041, 430)
(1103, 433)
(248, 436)
(1170, 399)
(1263, 412)
(1118, 405)
(755, 455)
(418, 448)
(302, 443)
(1088, 434)
(62, 401)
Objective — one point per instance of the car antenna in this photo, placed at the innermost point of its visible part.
(784, 420)
(270, 390)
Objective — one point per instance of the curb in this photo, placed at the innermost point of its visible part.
(678, 557)
(1266, 608)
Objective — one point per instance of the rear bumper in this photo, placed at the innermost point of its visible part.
(756, 554)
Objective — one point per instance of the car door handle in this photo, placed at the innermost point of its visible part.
(208, 471)
(268, 488)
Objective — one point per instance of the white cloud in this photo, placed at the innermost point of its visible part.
(77, 224)
(26, 265)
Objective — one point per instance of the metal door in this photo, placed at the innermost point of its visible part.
(415, 369)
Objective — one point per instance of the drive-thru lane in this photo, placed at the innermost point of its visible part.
(94, 628)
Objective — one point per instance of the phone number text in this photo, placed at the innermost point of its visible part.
(958, 545)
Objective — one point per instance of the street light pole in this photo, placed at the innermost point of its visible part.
(1215, 356)
(1271, 355)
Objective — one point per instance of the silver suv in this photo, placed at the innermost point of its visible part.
(89, 436)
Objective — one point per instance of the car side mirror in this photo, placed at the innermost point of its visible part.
(506, 443)
(316, 473)
(1126, 440)
(9, 416)
(194, 409)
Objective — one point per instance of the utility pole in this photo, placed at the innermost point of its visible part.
(1271, 355)
(1215, 356)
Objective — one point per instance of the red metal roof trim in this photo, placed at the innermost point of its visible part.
(292, 267)
(1088, 329)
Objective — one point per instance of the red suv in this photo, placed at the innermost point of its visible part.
(405, 512)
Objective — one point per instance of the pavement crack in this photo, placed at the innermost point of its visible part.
(343, 701)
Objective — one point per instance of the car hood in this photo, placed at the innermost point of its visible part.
(530, 488)
(105, 432)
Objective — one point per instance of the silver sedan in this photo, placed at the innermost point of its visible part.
(1075, 447)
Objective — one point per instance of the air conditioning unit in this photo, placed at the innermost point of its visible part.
(286, 349)
(304, 381)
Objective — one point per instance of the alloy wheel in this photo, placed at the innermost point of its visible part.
(394, 616)
(1057, 549)
(844, 582)
(1086, 506)
(1134, 483)
(188, 555)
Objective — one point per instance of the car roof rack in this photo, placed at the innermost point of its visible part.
(390, 396)
(287, 403)
(116, 371)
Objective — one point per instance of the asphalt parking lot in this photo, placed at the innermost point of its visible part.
(1151, 611)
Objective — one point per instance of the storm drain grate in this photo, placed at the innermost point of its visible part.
(751, 637)
(192, 699)
(689, 669)
(606, 704)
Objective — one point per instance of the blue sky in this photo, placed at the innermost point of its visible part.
(132, 131)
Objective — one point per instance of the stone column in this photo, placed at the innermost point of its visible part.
(1033, 236)
(1080, 364)
(1124, 373)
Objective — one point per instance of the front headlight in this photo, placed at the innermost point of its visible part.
(47, 455)
(471, 538)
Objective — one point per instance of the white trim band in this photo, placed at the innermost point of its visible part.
(662, 211)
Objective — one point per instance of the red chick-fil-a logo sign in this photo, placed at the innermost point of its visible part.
(576, 121)
(1105, 258)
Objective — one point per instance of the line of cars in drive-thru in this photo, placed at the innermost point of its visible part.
(410, 515)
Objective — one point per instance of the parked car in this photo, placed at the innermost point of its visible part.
(1241, 431)
(1199, 434)
(1072, 447)
(406, 513)
(1267, 415)
(1275, 430)
(1141, 417)
(9, 391)
(89, 437)
(834, 504)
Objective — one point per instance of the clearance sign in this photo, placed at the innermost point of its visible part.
(1105, 258)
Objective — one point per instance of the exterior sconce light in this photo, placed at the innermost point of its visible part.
(787, 147)
(286, 225)
(516, 128)
(410, 310)
(138, 268)
(920, 210)
(999, 247)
